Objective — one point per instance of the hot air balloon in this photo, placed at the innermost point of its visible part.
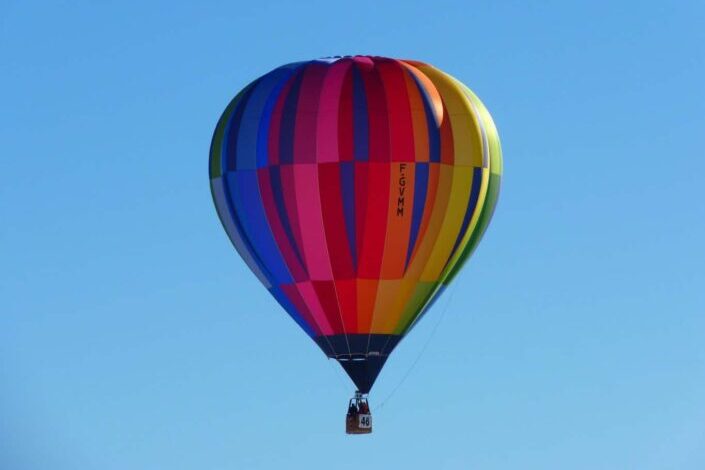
(355, 188)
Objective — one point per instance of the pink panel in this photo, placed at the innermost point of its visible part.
(327, 134)
(308, 293)
(291, 291)
(364, 61)
(311, 222)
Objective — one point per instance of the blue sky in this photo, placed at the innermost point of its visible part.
(132, 336)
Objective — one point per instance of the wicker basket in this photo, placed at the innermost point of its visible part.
(358, 424)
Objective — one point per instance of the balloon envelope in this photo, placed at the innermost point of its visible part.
(355, 188)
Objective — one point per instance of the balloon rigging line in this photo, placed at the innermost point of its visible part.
(341, 381)
(423, 349)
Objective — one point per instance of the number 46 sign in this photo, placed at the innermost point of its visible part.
(364, 421)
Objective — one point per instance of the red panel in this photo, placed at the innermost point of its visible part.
(447, 150)
(325, 291)
(347, 299)
(400, 125)
(292, 293)
(377, 116)
(307, 107)
(334, 221)
(289, 196)
(366, 298)
(375, 230)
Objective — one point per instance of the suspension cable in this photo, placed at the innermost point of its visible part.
(423, 349)
(336, 371)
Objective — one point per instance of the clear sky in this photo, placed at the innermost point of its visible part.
(132, 336)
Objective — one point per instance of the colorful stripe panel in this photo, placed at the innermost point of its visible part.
(355, 188)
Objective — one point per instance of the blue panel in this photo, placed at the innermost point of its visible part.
(235, 231)
(218, 144)
(232, 130)
(276, 184)
(247, 201)
(347, 192)
(251, 118)
(434, 128)
(286, 132)
(278, 294)
(361, 138)
(282, 77)
(420, 190)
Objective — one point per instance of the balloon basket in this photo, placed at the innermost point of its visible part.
(358, 419)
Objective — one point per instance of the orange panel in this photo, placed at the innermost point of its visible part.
(366, 296)
(398, 220)
(387, 309)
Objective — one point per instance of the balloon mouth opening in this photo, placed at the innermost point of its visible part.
(354, 358)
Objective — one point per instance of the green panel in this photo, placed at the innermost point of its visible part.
(482, 224)
(495, 150)
(423, 293)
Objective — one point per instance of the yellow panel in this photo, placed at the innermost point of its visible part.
(488, 124)
(427, 242)
(387, 311)
(452, 222)
(485, 175)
